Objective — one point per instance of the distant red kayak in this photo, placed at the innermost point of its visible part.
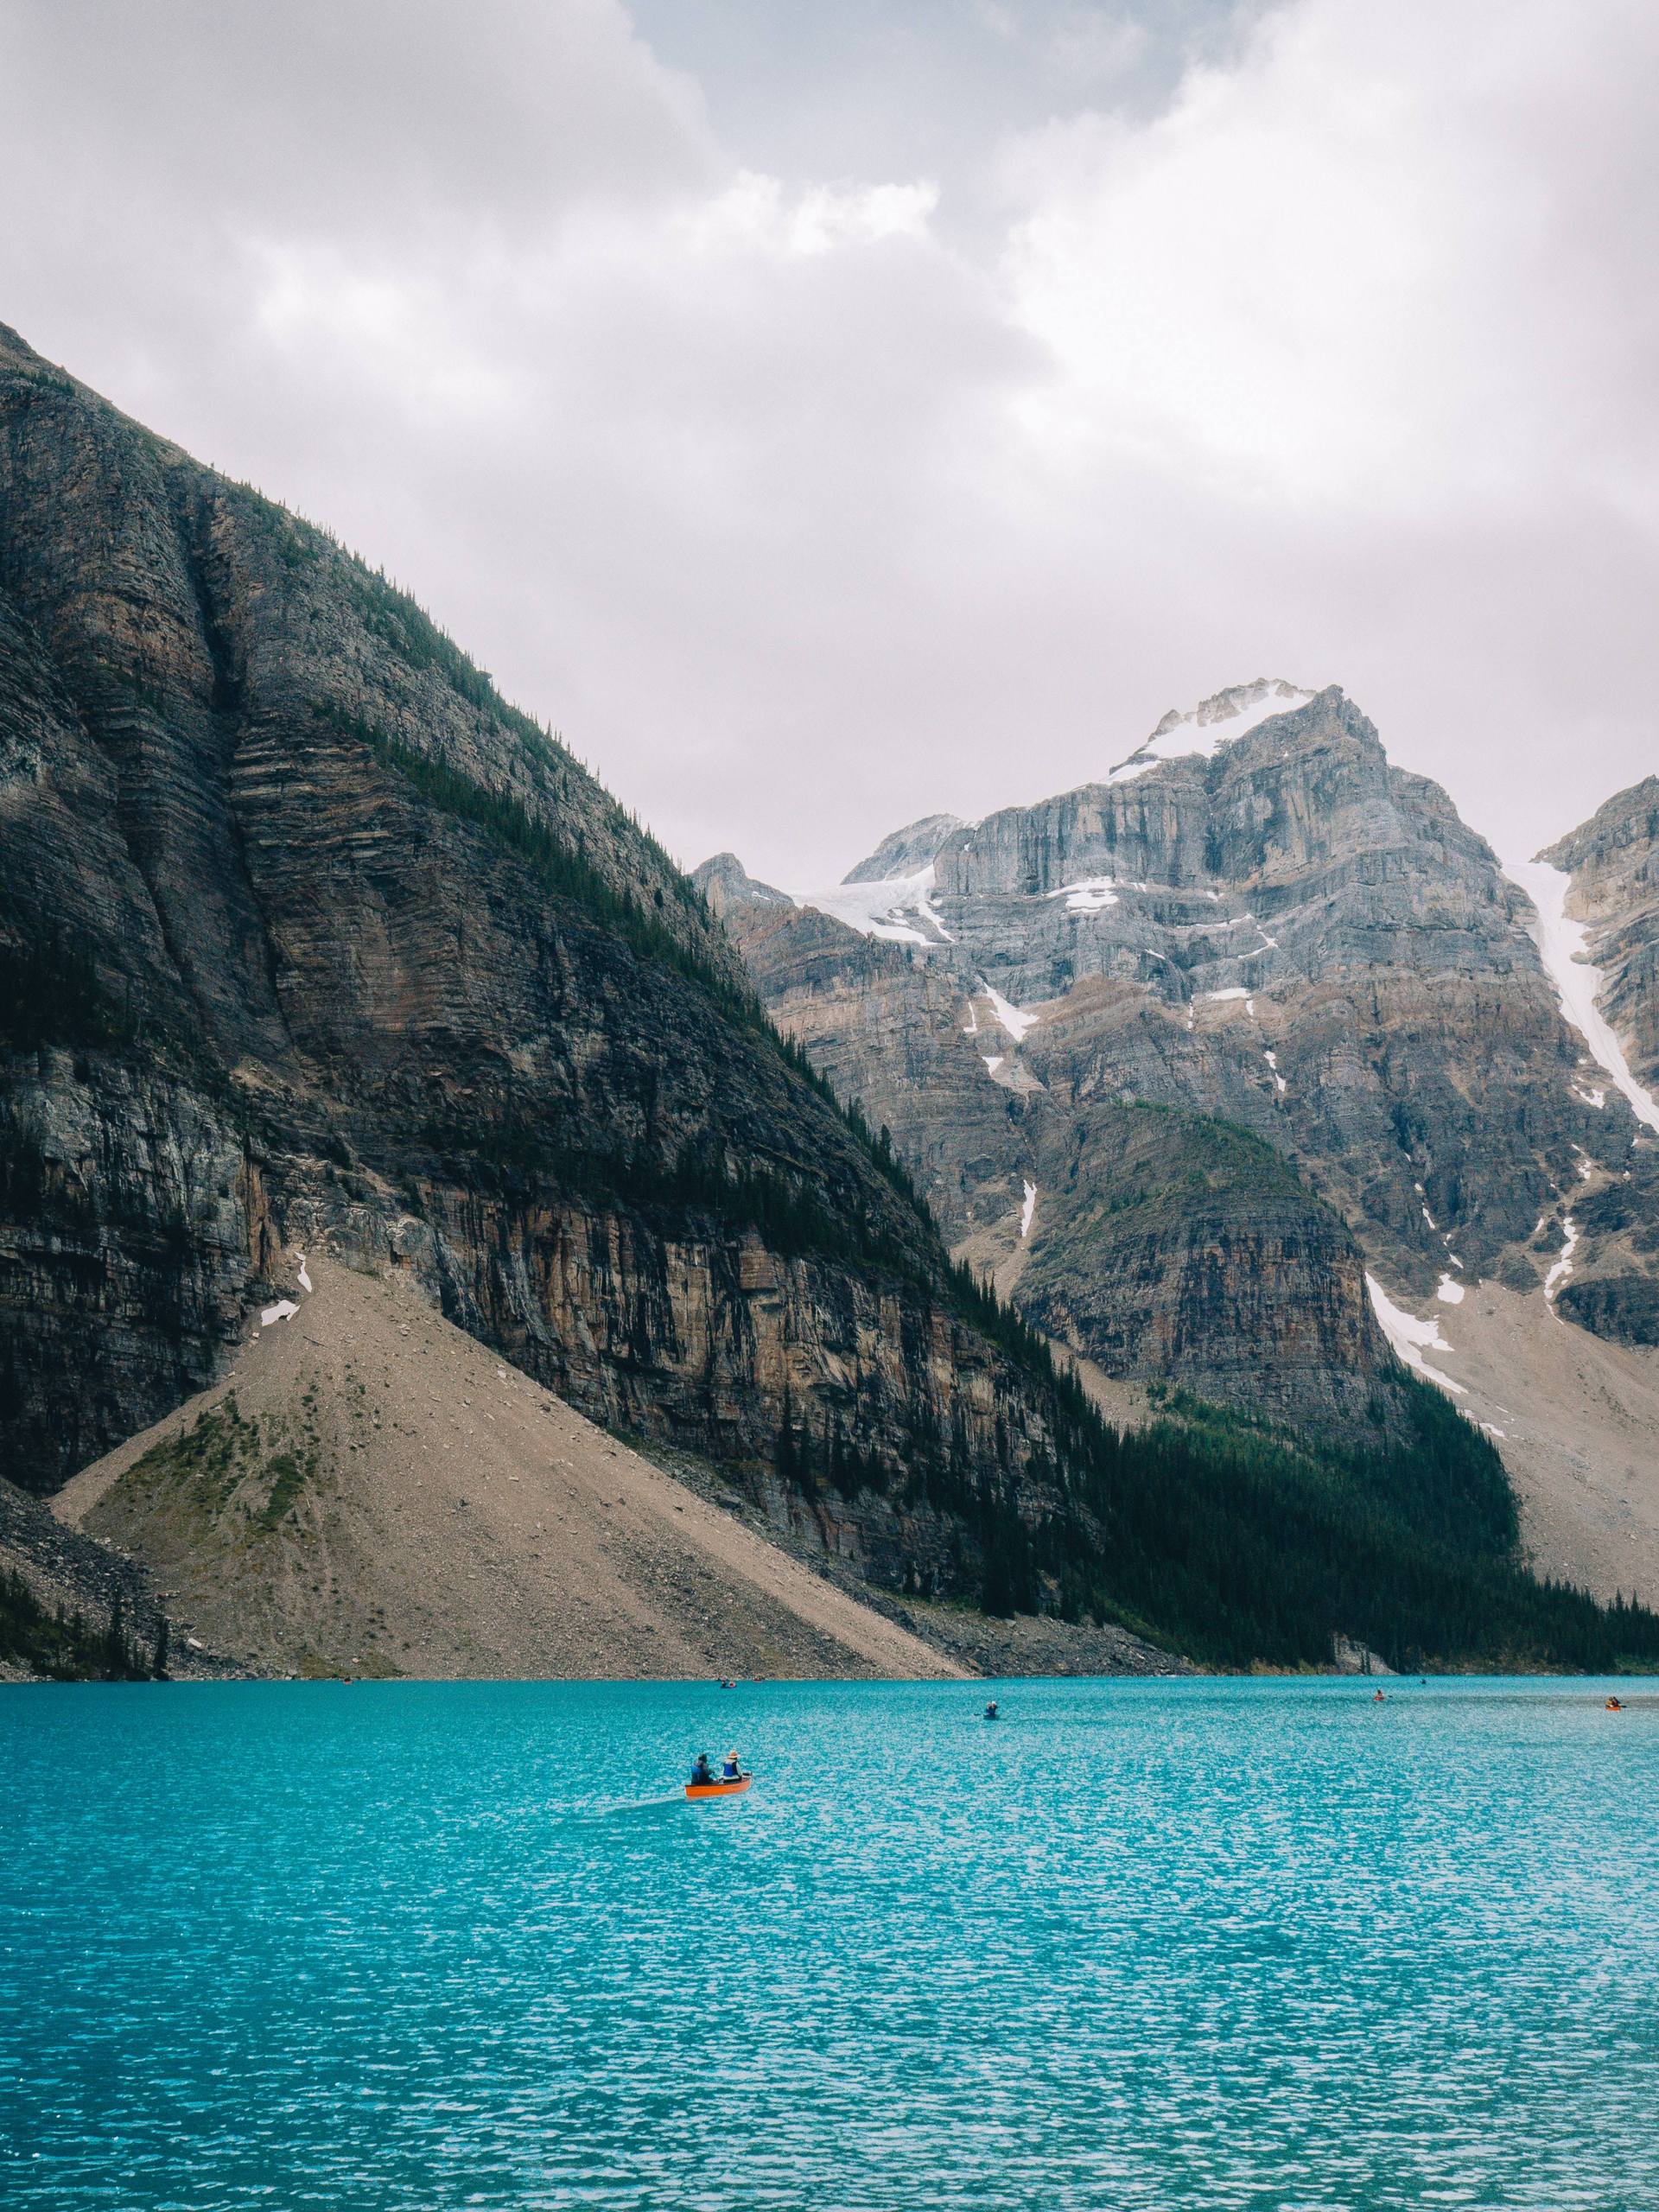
(719, 1788)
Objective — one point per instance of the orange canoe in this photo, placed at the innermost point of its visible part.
(719, 1788)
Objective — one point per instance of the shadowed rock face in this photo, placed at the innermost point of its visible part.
(1280, 932)
(70, 1573)
(307, 937)
(1625, 1308)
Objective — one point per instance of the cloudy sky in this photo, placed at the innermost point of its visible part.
(823, 416)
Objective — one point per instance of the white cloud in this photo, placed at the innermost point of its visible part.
(758, 212)
(804, 504)
(1342, 273)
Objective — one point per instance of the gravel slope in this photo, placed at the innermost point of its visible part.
(370, 1491)
(1576, 1420)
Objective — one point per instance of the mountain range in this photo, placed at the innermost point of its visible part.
(1251, 1068)
(316, 952)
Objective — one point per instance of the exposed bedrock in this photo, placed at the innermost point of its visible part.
(307, 937)
(1278, 932)
(1613, 859)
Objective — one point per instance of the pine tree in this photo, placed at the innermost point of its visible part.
(116, 1659)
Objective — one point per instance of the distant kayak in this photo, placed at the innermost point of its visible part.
(719, 1788)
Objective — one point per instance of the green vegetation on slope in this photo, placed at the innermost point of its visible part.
(560, 866)
(1243, 1544)
(63, 1646)
(228, 1475)
(1240, 1544)
(787, 1211)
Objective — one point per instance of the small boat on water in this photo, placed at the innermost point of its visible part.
(719, 1788)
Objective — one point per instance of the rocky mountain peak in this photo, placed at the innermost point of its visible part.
(1213, 722)
(1258, 924)
(311, 942)
(906, 850)
(1287, 782)
(308, 936)
(725, 883)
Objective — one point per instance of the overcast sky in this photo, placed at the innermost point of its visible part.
(824, 416)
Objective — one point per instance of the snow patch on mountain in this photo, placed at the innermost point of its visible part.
(1578, 983)
(1013, 1018)
(1201, 731)
(1563, 1266)
(896, 908)
(929, 914)
(1090, 894)
(1410, 1338)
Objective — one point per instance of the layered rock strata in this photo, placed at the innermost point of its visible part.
(308, 939)
(1258, 924)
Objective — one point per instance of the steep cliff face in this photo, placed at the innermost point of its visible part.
(1613, 862)
(1256, 922)
(307, 937)
(888, 1028)
(309, 942)
(1315, 948)
(1185, 1248)
(1157, 1242)
(1598, 894)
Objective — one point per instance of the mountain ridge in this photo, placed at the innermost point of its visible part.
(1270, 928)
(320, 942)
(315, 943)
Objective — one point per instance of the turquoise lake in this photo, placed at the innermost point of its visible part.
(1176, 1945)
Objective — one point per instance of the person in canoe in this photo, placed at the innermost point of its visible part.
(990, 1710)
(700, 1769)
(729, 1770)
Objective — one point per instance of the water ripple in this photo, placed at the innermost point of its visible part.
(1154, 1947)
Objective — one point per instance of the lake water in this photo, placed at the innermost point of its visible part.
(1177, 1945)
